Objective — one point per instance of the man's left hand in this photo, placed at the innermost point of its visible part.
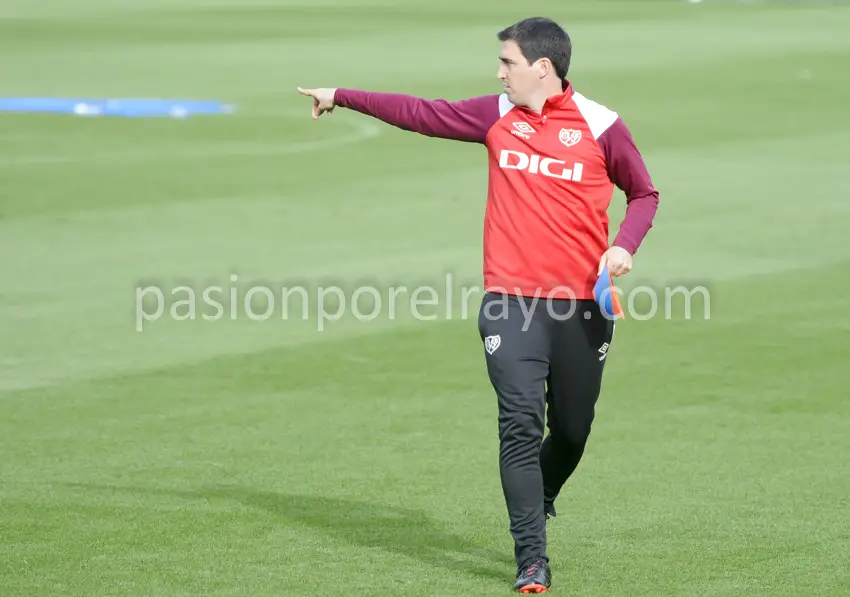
(618, 260)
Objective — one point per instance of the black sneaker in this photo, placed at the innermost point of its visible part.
(534, 578)
(549, 509)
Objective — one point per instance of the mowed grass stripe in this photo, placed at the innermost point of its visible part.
(288, 246)
(240, 446)
(180, 67)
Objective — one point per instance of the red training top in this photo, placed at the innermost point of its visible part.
(552, 176)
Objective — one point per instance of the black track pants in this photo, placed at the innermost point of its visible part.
(549, 353)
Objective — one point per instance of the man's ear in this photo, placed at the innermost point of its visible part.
(544, 67)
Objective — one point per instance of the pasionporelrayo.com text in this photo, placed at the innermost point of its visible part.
(328, 303)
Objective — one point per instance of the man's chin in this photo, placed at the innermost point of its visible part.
(514, 97)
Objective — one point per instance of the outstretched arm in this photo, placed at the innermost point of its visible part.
(628, 171)
(464, 120)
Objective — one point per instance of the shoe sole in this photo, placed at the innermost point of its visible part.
(532, 589)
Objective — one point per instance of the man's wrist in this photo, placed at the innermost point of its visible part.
(622, 245)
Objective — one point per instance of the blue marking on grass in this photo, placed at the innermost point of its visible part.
(125, 108)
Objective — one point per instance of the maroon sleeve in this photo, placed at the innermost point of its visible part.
(627, 170)
(464, 120)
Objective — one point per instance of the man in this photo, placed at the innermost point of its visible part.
(554, 160)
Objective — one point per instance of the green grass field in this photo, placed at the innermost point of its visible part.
(267, 458)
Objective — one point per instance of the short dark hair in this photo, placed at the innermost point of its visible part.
(539, 37)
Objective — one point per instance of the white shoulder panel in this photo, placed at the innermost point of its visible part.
(505, 105)
(598, 117)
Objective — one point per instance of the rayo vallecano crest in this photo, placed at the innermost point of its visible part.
(569, 137)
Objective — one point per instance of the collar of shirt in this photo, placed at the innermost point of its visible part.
(552, 103)
(556, 102)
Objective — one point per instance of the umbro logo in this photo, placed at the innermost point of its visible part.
(603, 351)
(491, 343)
(523, 129)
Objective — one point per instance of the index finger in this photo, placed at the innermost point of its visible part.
(309, 92)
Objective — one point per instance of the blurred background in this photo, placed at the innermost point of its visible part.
(173, 454)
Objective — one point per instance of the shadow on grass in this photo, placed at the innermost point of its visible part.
(402, 531)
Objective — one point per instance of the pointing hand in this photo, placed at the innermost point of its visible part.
(323, 100)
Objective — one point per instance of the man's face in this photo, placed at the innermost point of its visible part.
(520, 79)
